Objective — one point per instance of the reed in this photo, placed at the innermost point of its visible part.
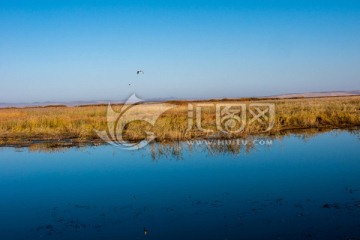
(59, 123)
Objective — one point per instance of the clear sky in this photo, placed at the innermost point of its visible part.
(90, 50)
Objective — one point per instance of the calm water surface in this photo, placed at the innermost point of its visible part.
(293, 189)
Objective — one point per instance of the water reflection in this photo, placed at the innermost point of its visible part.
(302, 186)
(175, 149)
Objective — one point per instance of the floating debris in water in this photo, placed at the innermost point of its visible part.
(328, 206)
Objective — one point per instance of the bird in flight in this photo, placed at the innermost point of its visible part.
(138, 72)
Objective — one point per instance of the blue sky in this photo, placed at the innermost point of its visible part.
(90, 50)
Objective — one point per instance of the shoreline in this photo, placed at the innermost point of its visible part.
(79, 142)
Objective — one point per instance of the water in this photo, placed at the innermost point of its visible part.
(293, 189)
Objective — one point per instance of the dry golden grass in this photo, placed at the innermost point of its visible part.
(79, 123)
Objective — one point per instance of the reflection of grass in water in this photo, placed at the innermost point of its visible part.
(78, 123)
(177, 149)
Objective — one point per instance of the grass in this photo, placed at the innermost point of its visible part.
(60, 123)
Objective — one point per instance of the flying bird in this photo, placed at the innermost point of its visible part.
(138, 72)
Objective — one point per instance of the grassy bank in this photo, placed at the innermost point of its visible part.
(79, 123)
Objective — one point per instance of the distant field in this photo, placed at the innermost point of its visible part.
(78, 124)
